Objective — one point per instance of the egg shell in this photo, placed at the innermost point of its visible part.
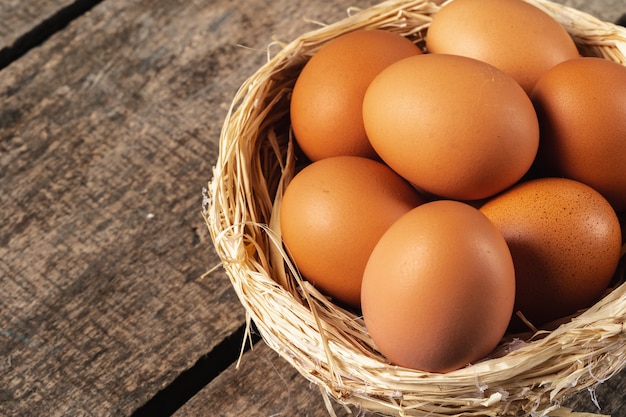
(514, 36)
(438, 289)
(453, 126)
(581, 106)
(332, 214)
(327, 96)
(565, 240)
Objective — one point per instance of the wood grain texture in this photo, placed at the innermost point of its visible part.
(607, 10)
(263, 385)
(107, 135)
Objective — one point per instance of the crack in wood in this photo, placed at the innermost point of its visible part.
(206, 369)
(44, 30)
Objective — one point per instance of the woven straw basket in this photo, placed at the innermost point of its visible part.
(528, 375)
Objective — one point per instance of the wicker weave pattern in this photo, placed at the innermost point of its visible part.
(330, 346)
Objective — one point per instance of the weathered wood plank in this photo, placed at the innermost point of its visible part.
(107, 134)
(263, 385)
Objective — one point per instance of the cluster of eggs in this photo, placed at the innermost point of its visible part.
(452, 190)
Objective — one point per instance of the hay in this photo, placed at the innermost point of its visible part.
(529, 374)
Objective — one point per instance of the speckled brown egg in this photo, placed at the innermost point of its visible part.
(332, 214)
(439, 287)
(513, 35)
(581, 106)
(455, 127)
(565, 240)
(327, 96)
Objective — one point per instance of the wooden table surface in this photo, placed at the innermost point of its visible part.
(110, 113)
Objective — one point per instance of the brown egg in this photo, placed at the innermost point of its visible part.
(453, 126)
(332, 214)
(581, 105)
(514, 36)
(326, 101)
(565, 240)
(439, 287)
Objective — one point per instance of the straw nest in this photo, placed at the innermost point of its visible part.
(528, 375)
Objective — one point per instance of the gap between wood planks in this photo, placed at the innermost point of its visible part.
(190, 382)
(48, 27)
